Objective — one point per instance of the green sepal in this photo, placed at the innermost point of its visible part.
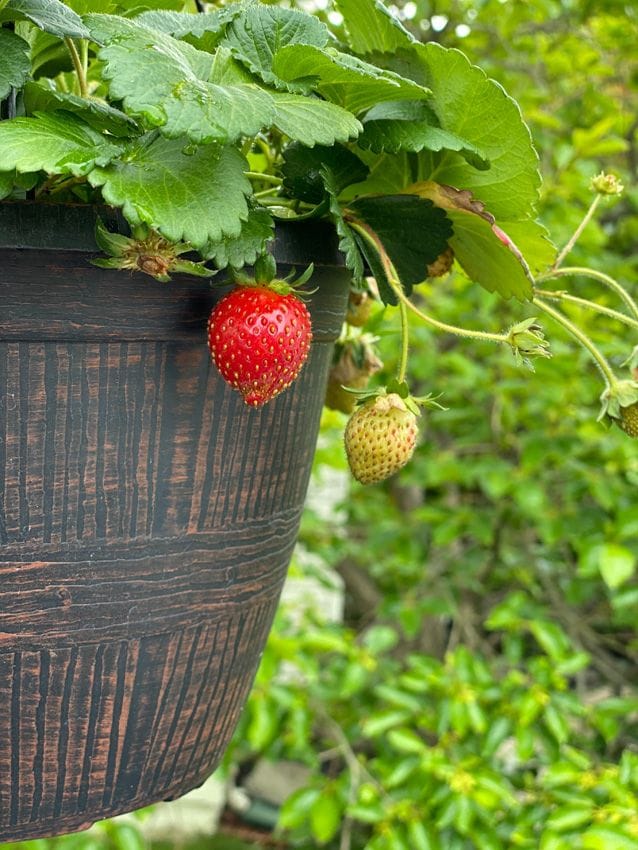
(618, 395)
(265, 268)
(401, 388)
(113, 244)
(190, 267)
(107, 263)
(528, 340)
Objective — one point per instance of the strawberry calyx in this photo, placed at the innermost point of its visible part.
(617, 399)
(146, 251)
(400, 389)
(527, 340)
(264, 272)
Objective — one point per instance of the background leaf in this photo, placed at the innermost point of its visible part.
(244, 249)
(352, 83)
(58, 143)
(616, 563)
(371, 28)
(256, 36)
(15, 63)
(413, 232)
(49, 15)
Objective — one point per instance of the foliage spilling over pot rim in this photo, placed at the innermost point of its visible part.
(206, 128)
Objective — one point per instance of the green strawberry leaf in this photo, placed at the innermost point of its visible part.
(197, 198)
(165, 81)
(412, 230)
(256, 232)
(312, 121)
(304, 171)
(532, 240)
(44, 97)
(49, 15)
(57, 142)
(7, 180)
(256, 36)
(413, 126)
(179, 24)
(15, 63)
(370, 27)
(488, 255)
(343, 79)
(479, 111)
(389, 174)
(347, 242)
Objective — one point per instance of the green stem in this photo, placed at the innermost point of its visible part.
(268, 200)
(78, 66)
(405, 341)
(84, 57)
(576, 235)
(247, 146)
(595, 275)
(582, 338)
(264, 178)
(62, 84)
(589, 305)
(397, 288)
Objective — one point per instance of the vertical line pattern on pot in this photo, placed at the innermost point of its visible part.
(40, 722)
(15, 738)
(174, 720)
(64, 732)
(96, 695)
(4, 397)
(114, 737)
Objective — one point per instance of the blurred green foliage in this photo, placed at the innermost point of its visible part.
(482, 692)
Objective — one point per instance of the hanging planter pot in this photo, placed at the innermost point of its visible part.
(148, 516)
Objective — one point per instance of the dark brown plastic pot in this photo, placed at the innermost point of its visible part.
(147, 518)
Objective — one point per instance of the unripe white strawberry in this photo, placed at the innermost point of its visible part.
(629, 419)
(380, 438)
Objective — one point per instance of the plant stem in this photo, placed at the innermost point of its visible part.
(78, 66)
(405, 341)
(576, 235)
(589, 305)
(397, 288)
(582, 338)
(265, 178)
(247, 146)
(595, 275)
(84, 56)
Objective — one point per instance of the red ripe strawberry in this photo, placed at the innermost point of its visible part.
(259, 339)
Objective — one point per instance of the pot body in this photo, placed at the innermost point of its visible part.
(147, 517)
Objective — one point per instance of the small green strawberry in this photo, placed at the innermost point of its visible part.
(354, 362)
(360, 305)
(380, 438)
(442, 264)
(629, 419)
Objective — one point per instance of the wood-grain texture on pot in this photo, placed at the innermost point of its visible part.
(147, 517)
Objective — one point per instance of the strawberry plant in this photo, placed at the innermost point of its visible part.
(207, 128)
